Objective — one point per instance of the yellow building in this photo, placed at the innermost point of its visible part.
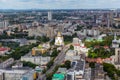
(41, 48)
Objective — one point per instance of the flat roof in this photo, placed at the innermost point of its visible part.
(58, 76)
(80, 65)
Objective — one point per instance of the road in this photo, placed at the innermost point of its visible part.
(58, 60)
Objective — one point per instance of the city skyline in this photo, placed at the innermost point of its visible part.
(59, 4)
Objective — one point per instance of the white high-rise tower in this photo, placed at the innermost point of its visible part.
(49, 15)
(117, 55)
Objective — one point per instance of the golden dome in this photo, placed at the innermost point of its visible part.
(59, 34)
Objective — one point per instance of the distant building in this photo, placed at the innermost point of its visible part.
(93, 32)
(71, 55)
(76, 41)
(31, 75)
(90, 32)
(4, 24)
(59, 41)
(50, 32)
(67, 33)
(21, 41)
(31, 41)
(18, 65)
(6, 63)
(45, 30)
(108, 21)
(41, 49)
(16, 74)
(49, 15)
(39, 60)
(3, 50)
(76, 44)
(100, 37)
(62, 70)
(35, 23)
(115, 42)
(79, 46)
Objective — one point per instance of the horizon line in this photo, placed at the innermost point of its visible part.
(64, 9)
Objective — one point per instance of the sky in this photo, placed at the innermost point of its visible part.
(59, 4)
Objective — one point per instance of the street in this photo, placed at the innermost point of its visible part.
(58, 60)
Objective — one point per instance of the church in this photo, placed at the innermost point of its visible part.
(59, 41)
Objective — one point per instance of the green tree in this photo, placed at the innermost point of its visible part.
(49, 64)
(71, 47)
(110, 69)
(92, 65)
(68, 64)
(49, 76)
(29, 64)
(54, 53)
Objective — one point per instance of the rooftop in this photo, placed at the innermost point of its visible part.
(3, 48)
(80, 65)
(58, 76)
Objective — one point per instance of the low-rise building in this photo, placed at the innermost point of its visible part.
(62, 70)
(67, 34)
(87, 73)
(70, 75)
(99, 73)
(41, 49)
(31, 41)
(31, 75)
(71, 55)
(58, 76)
(16, 74)
(79, 46)
(39, 60)
(77, 70)
(3, 50)
(18, 65)
(6, 63)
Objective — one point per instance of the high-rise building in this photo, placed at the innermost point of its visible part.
(117, 55)
(4, 24)
(50, 32)
(95, 18)
(49, 15)
(111, 18)
(108, 20)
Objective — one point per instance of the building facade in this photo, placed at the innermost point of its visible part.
(39, 60)
(49, 15)
(59, 41)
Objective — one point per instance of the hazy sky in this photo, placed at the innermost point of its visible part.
(58, 4)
